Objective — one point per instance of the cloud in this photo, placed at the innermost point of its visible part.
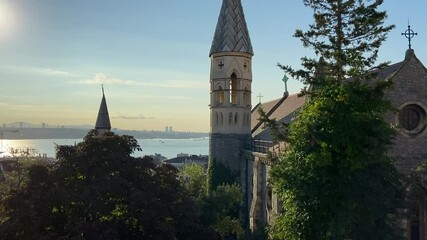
(140, 117)
(101, 78)
(41, 71)
(54, 72)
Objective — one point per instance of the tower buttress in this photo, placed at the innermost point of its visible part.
(230, 86)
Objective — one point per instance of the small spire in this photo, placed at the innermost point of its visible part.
(103, 120)
(231, 34)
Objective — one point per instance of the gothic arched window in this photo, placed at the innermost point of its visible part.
(236, 118)
(221, 119)
(230, 118)
(220, 95)
(233, 88)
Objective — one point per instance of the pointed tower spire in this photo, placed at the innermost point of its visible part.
(231, 34)
(230, 83)
(103, 120)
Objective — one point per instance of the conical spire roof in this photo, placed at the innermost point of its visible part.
(231, 34)
(103, 119)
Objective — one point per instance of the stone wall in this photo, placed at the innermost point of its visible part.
(227, 149)
(409, 87)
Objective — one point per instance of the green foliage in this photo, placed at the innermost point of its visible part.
(218, 174)
(335, 179)
(97, 190)
(346, 34)
(193, 179)
(221, 209)
(18, 176)
(228, 226)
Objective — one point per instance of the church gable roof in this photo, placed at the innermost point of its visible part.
(103, 119)
(281, 109)
(231, 34)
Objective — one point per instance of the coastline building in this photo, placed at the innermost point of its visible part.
(182, 159)
(239, 140)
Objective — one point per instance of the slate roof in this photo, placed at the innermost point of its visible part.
(231, 34)
(103, 119)
(283, 109)
(389, 72)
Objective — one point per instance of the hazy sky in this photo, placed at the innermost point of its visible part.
(151, 56)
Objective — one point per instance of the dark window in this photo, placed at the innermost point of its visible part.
(415, 230)
(233, 88)
(411, 118)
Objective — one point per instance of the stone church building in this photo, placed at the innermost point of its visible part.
(239, 140)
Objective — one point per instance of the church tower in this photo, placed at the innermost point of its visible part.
(102, 124)
(230, 86)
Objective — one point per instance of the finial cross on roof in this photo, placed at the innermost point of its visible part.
(409, 34)
(285, 80)
(259, 97)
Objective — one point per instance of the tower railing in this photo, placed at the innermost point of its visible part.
(260, 146)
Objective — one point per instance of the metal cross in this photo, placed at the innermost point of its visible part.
(259, 97)
(285, 80)
(409, 34)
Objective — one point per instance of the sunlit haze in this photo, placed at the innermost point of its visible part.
(151, 56)
(6, 19)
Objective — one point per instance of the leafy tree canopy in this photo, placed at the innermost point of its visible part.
(97, 190)
(335, 179)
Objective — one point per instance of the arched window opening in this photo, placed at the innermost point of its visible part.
(230, 118)
(233, 88)
(221, 119)
(247, 97)
(236, 118)
(220, 95)
(216, 118)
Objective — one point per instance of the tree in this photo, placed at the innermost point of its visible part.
(220, 209)
(97, 190)
(193, 179)
(335, 179)
(219, 174)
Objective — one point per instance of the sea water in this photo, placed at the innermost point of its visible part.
(166, 147)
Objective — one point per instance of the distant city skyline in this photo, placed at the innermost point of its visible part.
(151, 56)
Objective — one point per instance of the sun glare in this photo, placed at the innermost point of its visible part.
(6, 19)
(3, 16)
